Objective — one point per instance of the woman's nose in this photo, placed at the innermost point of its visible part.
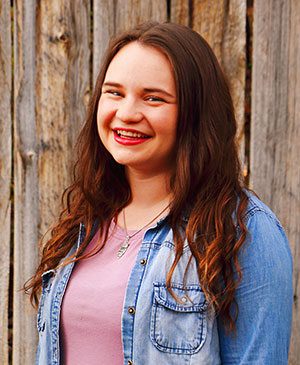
(129, 111)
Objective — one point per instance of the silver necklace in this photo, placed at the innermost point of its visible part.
(126, 243)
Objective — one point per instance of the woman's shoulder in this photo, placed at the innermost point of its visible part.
(255, 205)
(266, 238)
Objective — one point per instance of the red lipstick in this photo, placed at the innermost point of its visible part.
(129, 139)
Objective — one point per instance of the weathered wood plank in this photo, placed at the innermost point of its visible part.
(291, 219)
(51, 90)
(5, 172)
(180, 12)
(132, 12)
(275, 126)
(25, 180)
(234, 64)
(103, 30)
(209, 19)
(62, 92)
(111, 18)
(223, 25)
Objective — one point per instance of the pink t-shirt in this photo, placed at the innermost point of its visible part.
(90, 320)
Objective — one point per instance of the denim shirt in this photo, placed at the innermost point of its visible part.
(157, 329)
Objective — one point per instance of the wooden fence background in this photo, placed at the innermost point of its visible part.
(50, 52)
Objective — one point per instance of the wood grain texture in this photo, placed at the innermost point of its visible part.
(233, 51)
(209, 19)
(275, 126)
(5, 172)
(180, 12)
(113, 17)
(52, 84)
(62, 92)
(223, 25)
(103, 30)
(25, 181)
(291, 220)
(132, 12)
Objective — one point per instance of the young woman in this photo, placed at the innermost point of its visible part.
(161, 256)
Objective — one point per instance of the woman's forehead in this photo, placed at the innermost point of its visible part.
(138, 61)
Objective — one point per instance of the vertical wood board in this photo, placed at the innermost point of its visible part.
(103, 30)
(223, 25)
(180, 12)
(52, 86)
(291, 220)
(5, 172)
(62, 92)
(275, 126)
(132, 12)
(25, 181)
(209, 19)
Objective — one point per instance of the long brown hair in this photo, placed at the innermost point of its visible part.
(206, 182)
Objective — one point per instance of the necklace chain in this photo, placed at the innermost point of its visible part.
(126, 243)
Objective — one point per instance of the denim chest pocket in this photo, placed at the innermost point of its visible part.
(178, 327)
(46, 286)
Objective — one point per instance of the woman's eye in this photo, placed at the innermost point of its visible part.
(113, 92)
(154, 99)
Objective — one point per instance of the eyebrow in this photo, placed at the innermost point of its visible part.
(109, 83)
(148, 90)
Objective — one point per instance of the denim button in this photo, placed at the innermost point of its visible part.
(129, 362)
(131, 310)
(184, 299)
(143, 262)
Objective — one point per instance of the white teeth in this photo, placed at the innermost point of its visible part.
(122, 133)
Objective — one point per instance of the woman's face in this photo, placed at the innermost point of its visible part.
(137, 110)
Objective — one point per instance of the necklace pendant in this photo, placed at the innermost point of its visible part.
(123, 248)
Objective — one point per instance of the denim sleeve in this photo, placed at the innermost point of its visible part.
(264, 297)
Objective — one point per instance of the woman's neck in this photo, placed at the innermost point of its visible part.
(150, 195)
(148, 190)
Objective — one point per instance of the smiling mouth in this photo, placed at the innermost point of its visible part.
(130, 135)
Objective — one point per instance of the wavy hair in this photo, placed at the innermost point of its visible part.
(206, 182)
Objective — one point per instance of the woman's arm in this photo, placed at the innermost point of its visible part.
(264, 297)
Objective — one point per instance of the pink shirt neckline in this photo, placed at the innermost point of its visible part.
(90, 330)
